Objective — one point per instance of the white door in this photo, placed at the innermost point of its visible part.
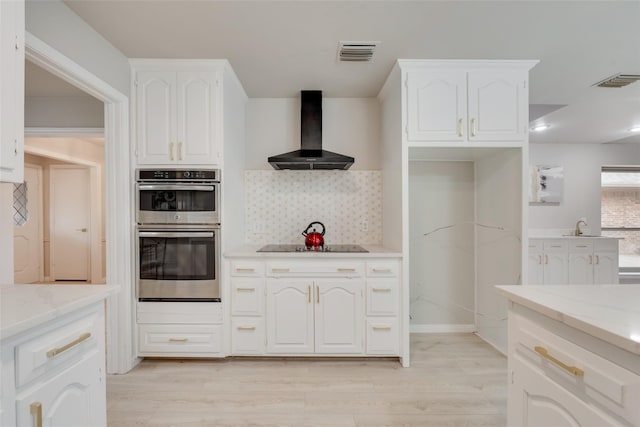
(581, 269)
(339, 314)
(27, 236)
(289, 316)
(70, 222)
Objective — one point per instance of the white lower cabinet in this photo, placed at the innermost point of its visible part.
(556, 382)
(55, 373)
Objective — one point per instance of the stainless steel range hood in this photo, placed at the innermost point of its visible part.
(311, 155)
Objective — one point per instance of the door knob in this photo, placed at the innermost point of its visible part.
(84, 230)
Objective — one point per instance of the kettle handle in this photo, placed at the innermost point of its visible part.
(304, 233)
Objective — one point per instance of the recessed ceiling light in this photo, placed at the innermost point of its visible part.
(540, 128)
(635, 129)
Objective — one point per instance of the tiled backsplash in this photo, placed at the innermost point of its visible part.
(281, 204)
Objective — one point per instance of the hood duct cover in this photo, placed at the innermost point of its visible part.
(311, 155)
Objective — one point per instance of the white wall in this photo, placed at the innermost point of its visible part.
(442, 276)
(63, 111)
(350, 126)
(582, 165)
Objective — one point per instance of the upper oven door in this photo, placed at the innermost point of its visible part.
(178, 203)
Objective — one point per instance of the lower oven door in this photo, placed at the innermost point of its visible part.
(178, 265)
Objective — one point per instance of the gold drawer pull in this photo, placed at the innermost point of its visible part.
(317, 295)
(36, 410)
(280, 270)
(346, 270)
(56, 351)
(309, 294)
(381, 289)
(246, 289)
(178, 339)
(245, 270)
(382, 270)
(556, 246)
(382, 328)
(582, 246)
(572, 369)
(246, 328)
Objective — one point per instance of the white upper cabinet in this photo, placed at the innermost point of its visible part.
(12, 91)
(177, 116)
(466, 102)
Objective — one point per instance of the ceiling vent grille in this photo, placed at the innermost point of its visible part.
(619, 80)
(356, 51)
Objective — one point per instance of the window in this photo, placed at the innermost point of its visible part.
(621, 212)
(20, 212)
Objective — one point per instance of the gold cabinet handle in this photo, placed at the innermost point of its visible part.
(56, 351)
(317, 295)
(597, 259)
(473, 127)
(36, 410)
(546, 259)
(178, 339)
(582, 246)
(171, 151)
(245, 270)
(572, 369)
(280, 270)
(179, 150)
(590, 259)
(346, 270)
(245, 289)
(382, 328)
(540, 259)
(382, 270)
(246, 328)
(460, 128)
(84, 230)
(381, 289)
(309, 294)
(556, 246)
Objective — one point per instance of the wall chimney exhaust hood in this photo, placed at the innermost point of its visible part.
(311, 156)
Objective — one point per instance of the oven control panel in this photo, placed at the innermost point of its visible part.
(177, 175)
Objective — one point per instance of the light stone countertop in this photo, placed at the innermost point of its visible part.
(250, 251)
(23, 307)
(608, 312)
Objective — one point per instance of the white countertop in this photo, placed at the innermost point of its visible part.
(250, 251)
(25, 306)
(608, 312)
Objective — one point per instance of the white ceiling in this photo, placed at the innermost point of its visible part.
(278, 48)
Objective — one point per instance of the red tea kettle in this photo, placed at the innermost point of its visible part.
(313, 239)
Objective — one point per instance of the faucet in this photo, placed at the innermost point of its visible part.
(578, 231)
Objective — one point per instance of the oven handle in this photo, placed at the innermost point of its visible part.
(146, 187)
(173, 234)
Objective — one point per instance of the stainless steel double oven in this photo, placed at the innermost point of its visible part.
(177, 235)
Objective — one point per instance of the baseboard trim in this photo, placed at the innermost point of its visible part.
(441, 329)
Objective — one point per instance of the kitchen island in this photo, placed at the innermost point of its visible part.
(53, 354)
(574, 355)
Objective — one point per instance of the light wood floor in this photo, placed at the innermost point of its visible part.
(454, 380)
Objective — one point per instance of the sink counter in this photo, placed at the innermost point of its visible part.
(23, 307)
(250, 251)
(608, 312)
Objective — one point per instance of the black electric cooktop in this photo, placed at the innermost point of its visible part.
(303, 248)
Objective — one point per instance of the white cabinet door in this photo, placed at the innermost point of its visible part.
(339, 316)
(437, 105)
(197, 102)
(290, 316)
(155, 117)
(537, 401)
(605, 268)
(536, 269)
(497, 105)
(580, 269)
(556, 269)
(12, 91)
(75, 397)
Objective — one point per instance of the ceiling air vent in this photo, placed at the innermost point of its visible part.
(356, 51)
(619, 80)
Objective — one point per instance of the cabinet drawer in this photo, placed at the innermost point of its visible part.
(535, 245)
(605, 245)
(247, 297)
(382, 335)
(179, 312)
(555, 245)
(53, 349)
(382, 269)
(382, 297)
(247, 336)
(179, 340)
(315, 268)
(596, 379)
(247, 268)
(580, 246)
